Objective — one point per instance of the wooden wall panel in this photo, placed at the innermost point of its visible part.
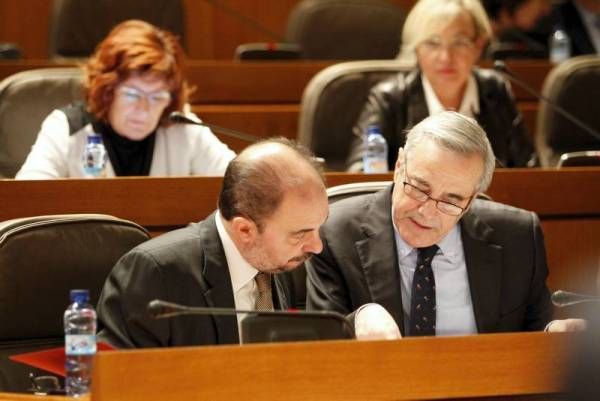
(211, 33)
(25, 22)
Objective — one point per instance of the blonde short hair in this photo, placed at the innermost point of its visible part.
(420, 21)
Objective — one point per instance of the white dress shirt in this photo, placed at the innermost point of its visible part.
(245, 290)
(454, 308)
(468, 107)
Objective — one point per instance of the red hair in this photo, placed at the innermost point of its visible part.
(134, 47)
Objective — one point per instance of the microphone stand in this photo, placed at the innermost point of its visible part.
(501, 67)
(181, 118)
(562, 298)
(246, 20)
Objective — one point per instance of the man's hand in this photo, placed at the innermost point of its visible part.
(564, 325)
(373, 322)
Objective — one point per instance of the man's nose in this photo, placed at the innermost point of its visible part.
(313, 244)
(428, 208)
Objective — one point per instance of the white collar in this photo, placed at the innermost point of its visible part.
(470, 101)
(240, 270)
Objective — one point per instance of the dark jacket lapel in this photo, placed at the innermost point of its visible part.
(484, 269)
(281, 295)
(378, 255)
(417, 109)
(216, 272)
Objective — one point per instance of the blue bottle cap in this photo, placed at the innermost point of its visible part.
(94, 139)
(80, 296)
(373, 130)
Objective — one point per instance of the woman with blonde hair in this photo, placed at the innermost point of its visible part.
(131, 84)
(444, 38)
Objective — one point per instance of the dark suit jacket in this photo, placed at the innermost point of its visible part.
(504, 252)
(186, 266)
(398, 103)
(567, 16)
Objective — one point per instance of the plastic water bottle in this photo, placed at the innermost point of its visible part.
(560, 46)
(80, 343)
(375, 160)
(94, 157)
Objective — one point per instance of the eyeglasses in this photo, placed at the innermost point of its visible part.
(417, 194)
(154, 99)
(457, 45)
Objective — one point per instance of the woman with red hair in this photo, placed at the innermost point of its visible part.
(132, 82)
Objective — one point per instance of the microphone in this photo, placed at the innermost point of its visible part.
(182, 118)
(501, 67)
(266, 325)
(160, 309)
(565, 298)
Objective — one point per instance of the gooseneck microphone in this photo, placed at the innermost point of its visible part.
(501, 67)
(255, 25)
(267, 326)
(160, 309)
(182, 118)
(565, 298)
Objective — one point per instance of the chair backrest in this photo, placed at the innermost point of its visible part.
(579, 159)
(77, 26)
(26, 98)
(346, 29)
(332, 102)
(41, 259)
(573, 85)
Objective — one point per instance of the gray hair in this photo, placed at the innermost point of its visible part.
(459, 134)
(419, 24)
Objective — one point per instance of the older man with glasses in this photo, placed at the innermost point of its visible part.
(427, 251)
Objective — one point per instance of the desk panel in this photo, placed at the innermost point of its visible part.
(567, 201)
(506, 366)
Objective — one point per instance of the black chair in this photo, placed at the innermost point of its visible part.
(342, 30)
(332, 102)
(573, 85)
(579, 159)
(77, 26)
(26, 98)
(41, 259)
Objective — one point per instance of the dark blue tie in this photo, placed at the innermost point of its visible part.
(422, 307)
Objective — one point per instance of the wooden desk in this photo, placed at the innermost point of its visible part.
(263, 98)
(567, 201)
(32, 397)
(476, 367)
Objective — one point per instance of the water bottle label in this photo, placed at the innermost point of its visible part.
(375, 166)
(80, 344)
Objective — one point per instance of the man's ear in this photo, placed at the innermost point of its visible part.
(244, 229)
(470, 204)
(399, 167)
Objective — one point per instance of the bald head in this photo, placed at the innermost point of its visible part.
(256, 181)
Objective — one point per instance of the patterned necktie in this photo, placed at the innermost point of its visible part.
(264, 301)
(422, 307)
